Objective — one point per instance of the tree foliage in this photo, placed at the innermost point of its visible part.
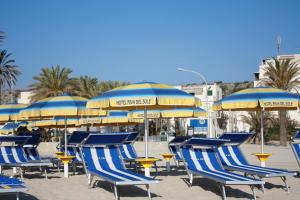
(8, 71)
(52, 81)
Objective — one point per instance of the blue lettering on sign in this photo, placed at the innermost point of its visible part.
(133, 102)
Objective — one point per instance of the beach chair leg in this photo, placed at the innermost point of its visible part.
(253, 192)
(90, 180)
(45, 171)
(149, 192)
(21, 173)
(156, 170)
(223, 191)
(191, 179)
(17, 196)
(285, 183)
(116, 192)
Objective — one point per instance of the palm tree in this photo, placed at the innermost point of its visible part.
(109, 85)
(52, 82)
(90, 87)
(283, 74)
(253, 120)
(87, 87)
(8, 71)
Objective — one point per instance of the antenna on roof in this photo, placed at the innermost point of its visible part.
(278, 44)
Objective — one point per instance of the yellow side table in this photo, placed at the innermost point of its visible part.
(59, 154)
(147, 163)
(66, 160)
(262, 157)
(168, 157)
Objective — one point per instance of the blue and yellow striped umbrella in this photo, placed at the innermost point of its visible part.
(146, 94)
(114, 118)
(64, 105)
(11, 127)
(170, 113)
(259, 98)
(56, 122)
(10, 112)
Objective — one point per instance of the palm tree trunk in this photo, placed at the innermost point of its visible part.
(283, 132)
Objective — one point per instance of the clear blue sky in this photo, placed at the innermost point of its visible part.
(146, 40)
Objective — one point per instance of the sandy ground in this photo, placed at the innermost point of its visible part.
(171, 185)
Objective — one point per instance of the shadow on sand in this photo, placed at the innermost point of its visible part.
(124, 191)
(212, 186)
(23, 196)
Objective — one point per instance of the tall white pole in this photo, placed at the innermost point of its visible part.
(66, 136)
(209, 134)
(146, 132)
(262, 130)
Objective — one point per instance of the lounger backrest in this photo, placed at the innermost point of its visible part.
(296, 149)
(102, 158)
(127, 151)
(31, 153)
(175, 150)
(198, 159)
(231, 155)
(12, 154)
(74, 151)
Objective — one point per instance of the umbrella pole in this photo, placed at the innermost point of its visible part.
(65, 136)
(66, 164)
(146, 132)
(262, 130)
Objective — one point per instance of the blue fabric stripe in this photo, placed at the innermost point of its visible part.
(143, 92)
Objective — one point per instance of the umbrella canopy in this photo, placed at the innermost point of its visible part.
(10, 112)
(114, 118)
(259, 98)
(56, 122)
(170, 113)
(11, 127)
(64, 105)
(140, 95)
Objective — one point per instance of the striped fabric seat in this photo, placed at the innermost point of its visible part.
(204, 162)
(74, 151)
(233, 159)
(105, 162)
(296, 149)
(31, 153)
(14, 156)
(175, 150)
(296, 146)
(9, 185)
(128, 152)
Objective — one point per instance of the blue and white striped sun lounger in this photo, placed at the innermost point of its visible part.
(174, 147)
(296, 147)
(30, 146)
(14, 156)
(200, 159)
(128, 152)
(102, 159)
(10, 185)
(233, 159)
